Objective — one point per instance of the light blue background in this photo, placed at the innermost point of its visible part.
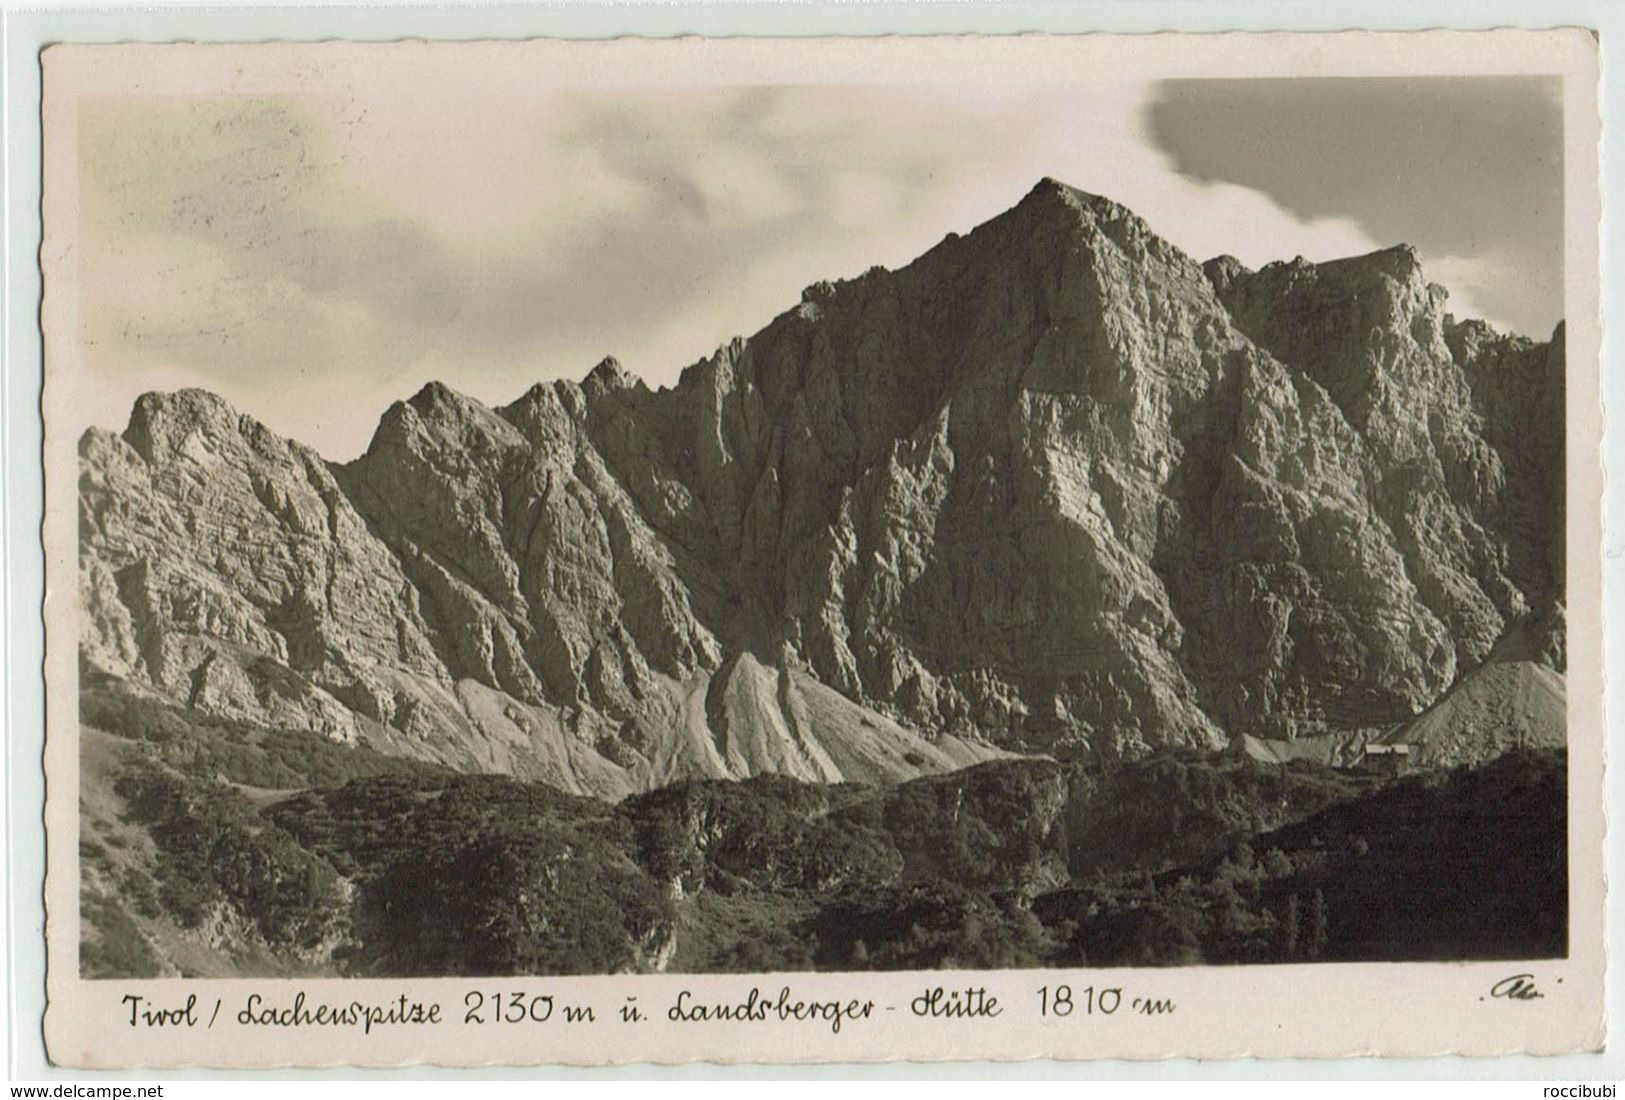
(25, 32)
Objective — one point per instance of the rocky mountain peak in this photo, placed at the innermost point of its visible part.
(1224, 270)
(1072, 219)
(1052, 487)
(1051, 193)
(439, 418)
(436, 399)
(163, 424)
(609, 377)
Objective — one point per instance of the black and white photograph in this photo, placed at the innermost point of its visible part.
(528, 515)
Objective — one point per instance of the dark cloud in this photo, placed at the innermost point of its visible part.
(1460, 167)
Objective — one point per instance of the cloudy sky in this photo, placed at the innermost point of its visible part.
(313, 257)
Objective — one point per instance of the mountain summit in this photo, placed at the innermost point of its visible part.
(1054, 487)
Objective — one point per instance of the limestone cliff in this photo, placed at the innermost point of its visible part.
(1053, 487)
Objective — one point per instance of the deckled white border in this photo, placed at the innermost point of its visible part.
(1226, 1012)
(12, 418)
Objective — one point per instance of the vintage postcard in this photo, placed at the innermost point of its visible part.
(826, 549)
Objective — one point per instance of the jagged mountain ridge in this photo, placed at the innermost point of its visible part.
(1052, 487)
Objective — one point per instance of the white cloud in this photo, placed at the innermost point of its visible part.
(1473, 283)
(367, 241)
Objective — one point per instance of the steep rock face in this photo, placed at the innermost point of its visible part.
(1441, 407)
(543, 579)
(225, 567)
(1052, 487)
(499, 608)
(1460, 432)
(940, 488)
(1517, 389)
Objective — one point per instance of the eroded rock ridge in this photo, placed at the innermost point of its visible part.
(1054, 487)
